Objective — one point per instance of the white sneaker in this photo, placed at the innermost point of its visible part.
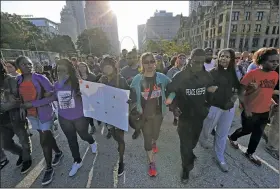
(75, 167)
(94, 147)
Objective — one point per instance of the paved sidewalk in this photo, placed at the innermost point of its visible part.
(100, 170)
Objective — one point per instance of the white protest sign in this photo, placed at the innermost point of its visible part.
(105, 103)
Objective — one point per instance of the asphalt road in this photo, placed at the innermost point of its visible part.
(100, 170)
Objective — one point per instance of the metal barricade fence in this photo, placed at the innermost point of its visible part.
(35, 56)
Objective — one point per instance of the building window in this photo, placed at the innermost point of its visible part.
(246, 43)
(267, 30)
(221, 17)
(260, 15)
(211, 33)
(255, 42)
(271, 42)
(276, 42)
(220, 29)
(232, 43)
(258, 28)
(278, 30)
(249, 28)
(213, 21)
(206, 34)
(241, 43)
(244, 28)
(264, 42)
(218, 43)
(234, 28)
(205, 44)
(247, 15)
(207, 24)
(214, 32)
(235, 16)
(273, 29)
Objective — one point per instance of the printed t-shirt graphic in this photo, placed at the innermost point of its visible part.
(155, 94)
(28, 93)
(259, 100)
(153, 105)
(65, 99)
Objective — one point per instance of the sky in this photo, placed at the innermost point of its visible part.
(129, 13)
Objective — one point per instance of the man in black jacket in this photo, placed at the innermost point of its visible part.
(190, 86)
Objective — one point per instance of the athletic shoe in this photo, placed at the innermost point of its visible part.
(57, 158)
(155, 148)
(234, 144)
(94, 147)
(184, 177)
(3, 163)
(121, 169)
(273, 152)
(213, 132)
(136, 134)
(19, 162)
(223, 166)
(92, 130)
(253, 159)
(48, 176)
(75, 167)
(26, 166)
(152, 170)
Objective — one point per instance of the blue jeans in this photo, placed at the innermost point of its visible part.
(38, 125)
(223, 120)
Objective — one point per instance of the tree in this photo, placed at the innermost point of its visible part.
(93, 41)
(167, 47)
(61, 44)
(18, 33)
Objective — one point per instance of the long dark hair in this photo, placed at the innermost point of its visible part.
(85, 64)
(73, 79)
(231, 67)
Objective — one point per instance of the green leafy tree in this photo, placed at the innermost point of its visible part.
(18, 33)
(93, 41)
(61, 44)
(167, 47)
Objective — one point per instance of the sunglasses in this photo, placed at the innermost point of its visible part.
(236, 58)
(149, 62)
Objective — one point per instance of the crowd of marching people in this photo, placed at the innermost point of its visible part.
(202, 90)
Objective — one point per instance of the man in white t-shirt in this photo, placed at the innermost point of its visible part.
(209, 62)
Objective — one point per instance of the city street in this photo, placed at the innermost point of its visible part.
(100, 170)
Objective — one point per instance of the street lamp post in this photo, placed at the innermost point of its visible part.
(229, 26)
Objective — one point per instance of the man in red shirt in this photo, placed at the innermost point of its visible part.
(257, 100)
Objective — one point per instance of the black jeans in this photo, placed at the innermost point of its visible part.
(150, 130)
(70, 128)
(7, 134)
(118, 135)
(254, 125)
(189, 130)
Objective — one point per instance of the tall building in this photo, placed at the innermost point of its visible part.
(68, 25)
(47, 26)
(98, 14)
(140, 30)
(163, 25)
(194, 4)
(254, 24)
(77, 8)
